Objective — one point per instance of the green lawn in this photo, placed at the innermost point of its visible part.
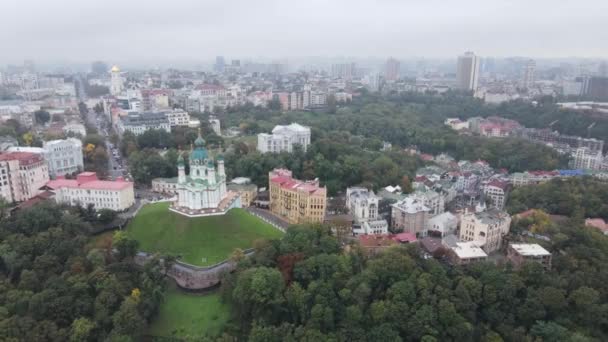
(184, 315)
(199, 241)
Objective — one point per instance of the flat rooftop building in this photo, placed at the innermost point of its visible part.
(519, 253)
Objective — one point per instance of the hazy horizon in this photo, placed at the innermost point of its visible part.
(191, 31)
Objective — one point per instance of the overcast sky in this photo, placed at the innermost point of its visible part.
(129, 30)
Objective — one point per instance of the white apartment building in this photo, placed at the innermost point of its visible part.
(283, 138)
(178, 117)
(363, 205)
(411, 216)
(431, 199)
(63, 156)
(497, 192)
(486, 228)
(139, 123)
(584, 158)
(88, 189)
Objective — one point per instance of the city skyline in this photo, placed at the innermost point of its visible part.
(190, 30)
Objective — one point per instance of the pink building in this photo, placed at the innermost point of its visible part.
(88, 189)
(22, 174)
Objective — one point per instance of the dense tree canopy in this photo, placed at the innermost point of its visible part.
(54, 287)
(581, 197)
(303, 288)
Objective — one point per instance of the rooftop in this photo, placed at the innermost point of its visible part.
(88, 181)
(468, 250)
(411, 205)
(376, 240)
(529, 249)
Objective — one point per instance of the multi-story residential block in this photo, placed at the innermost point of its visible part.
(519, 253)
(22, 174)
(88, 189)
(283, 138)
(178, 117)
(528, 75)
(155, 99)
(391, 71)
(363, 205)
(467, 71)
(139, 123)
(584, 158)
(411, 216)
(493, 126)
(532, 177)
(435, 201)
(63, 156)
(497, 191)
(294, 200)
(486, 228)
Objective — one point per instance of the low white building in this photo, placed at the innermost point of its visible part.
(283, 138)
(88, 189)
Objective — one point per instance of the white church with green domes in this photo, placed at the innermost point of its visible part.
(203, 191)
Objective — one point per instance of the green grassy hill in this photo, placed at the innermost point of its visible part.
(199, 241)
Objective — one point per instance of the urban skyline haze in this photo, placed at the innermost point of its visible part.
(187, 30)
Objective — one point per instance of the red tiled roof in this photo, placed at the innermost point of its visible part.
(499, 184)
(405, 237)
(88, 181)
(598, 223)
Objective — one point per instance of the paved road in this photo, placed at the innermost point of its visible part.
(269, 217)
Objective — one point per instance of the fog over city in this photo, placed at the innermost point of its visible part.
(189, 30)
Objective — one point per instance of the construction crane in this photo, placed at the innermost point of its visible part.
(589, 130)
(553, 123)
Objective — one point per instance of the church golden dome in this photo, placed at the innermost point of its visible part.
(115, 69)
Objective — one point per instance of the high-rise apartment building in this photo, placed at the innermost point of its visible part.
(391, 72)
(294, 200)
(528, 75)
(343, 70)
(467, 71)
(595, 88)
(220, 63)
